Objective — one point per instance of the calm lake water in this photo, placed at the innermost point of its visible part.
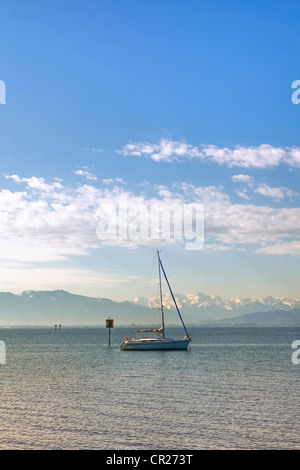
(237, 388)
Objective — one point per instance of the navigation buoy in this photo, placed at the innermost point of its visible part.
(109, 323)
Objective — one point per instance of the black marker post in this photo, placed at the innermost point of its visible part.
(109, 324)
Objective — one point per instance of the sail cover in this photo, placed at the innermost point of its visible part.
(150, 330)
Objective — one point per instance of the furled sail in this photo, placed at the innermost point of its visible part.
(150, 330)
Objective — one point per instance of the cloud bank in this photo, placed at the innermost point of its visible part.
(275, 193)
(44, 221)
(170, 151)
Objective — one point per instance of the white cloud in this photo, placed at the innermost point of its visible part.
(264, 189)
(87, 174)
(240, 225)
(262, 156)
(95, 150)
(243, 194)
(116, 180)
(46, 222)
(166, 151)
(35, 183)
(285, 248)
(163, 191)
(275, 192)
(236, 224)
(242, 179)
(43, 226)
(204, 194)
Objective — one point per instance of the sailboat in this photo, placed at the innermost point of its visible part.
(160, 341)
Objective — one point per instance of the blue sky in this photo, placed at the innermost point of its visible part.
(155, 101)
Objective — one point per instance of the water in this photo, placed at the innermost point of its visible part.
(237, 388)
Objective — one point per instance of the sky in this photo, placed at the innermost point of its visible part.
(112, 108)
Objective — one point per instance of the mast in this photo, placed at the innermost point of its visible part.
(174, 298)
(161, 303)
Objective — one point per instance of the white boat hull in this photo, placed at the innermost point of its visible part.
(155, 344)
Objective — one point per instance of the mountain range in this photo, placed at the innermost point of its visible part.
(61, 307)
(208, 308)
(273, 318)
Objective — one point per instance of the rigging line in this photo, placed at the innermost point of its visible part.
(174, 299)
(161, 302)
